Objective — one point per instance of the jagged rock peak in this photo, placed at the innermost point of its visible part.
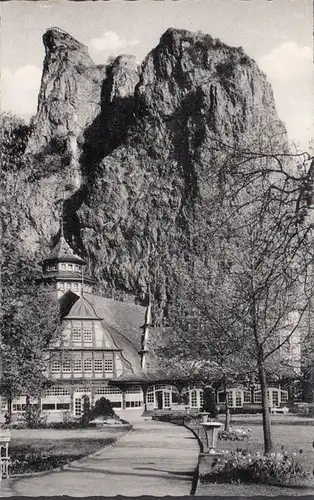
(174, 37)
(56, 38)
(124, 76)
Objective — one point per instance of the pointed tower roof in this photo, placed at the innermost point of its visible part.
(62, 251)
(82, 309)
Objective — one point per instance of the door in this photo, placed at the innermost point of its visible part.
(159, 400)
(167, 399)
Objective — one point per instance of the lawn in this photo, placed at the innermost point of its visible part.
(44, 449)
(293, 438)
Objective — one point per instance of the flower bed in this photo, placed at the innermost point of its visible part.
(244, 467)
(232, 436)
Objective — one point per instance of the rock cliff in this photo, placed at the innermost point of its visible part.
(126, 153)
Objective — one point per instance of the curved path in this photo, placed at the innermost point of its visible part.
(155, 458)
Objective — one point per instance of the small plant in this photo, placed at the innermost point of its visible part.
(244, 467)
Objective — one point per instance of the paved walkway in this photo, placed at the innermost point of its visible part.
(155, 458)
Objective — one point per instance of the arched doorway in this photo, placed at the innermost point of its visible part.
(161, 397)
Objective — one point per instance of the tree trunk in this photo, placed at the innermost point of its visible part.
(28, 400)
(227, 419)
(10, 407)
(268, 445)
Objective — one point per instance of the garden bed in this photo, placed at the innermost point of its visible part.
(44, 450)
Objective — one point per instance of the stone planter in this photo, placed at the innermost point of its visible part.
(211, 430)
(5, 438)
(204, 416)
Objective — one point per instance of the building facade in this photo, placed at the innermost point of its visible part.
(103, 352)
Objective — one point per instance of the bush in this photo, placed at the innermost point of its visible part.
(244, 467)
(209, 402)
(102, 408)
(34, 418)
(86, 415)
(173, 418)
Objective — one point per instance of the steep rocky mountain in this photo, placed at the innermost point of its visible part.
(126, 153)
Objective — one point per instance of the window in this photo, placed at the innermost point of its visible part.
(18, 407)
(87, 334)
(63, 406)
(238, 399)
(76, 334)
(76, 267)
(75, 286)
(133, 404)
(98, 365)
(150, 398)
(56, 391)
(247, 397)
(108, 365)
(107, 390)
(193, 396)
(48, 406)
(66, 365)
(62, 267)
(55, 366)
(284, 396)
(70, 267)
(67, 286)
(88, 365)
(61, 286)
(221, 397)
(273, 396)
(257, 397)
(134, 390)
(230, 398)
(77, 365)
(201, 398)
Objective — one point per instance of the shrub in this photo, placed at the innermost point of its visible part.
(34, 418)
(86, 415)
(102, 408)
(209, 402)
(244, 467)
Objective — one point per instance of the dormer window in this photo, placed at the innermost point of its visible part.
(70, 267)
(62, 267)
(77, 268)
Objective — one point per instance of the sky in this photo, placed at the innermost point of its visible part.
(276, 33)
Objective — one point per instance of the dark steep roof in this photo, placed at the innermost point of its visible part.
(122, 320)
(124, 317)
(63, 252)
(82, 309)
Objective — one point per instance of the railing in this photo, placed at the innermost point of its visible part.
(55, 28)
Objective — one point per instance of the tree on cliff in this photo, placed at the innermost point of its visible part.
(29, 315)
(256, 234)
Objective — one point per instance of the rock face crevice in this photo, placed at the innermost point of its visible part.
(137, 150)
